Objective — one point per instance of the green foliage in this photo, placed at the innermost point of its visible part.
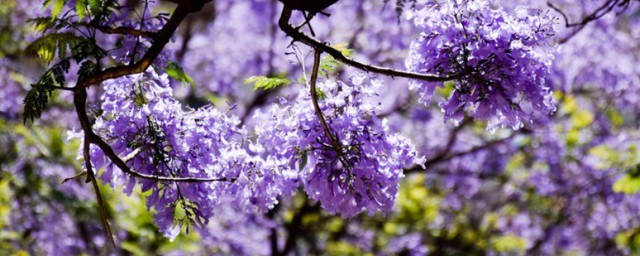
(47, 46)
(57, 44)
(87, 68)
(509, 243)
(629, 238)
(321, 95)
(81, 8)
(38, 97)
(266, 83)
(448, 88)
(43, 24)
(176, 72)
(615, 117)
(342, 47)
(95, 6)
(627, 184)
(581, 119)
(56, 8)
(63, 46)
(328, 64)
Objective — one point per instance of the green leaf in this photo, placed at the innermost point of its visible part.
(87, 68)
(342, 47)
(266, 83)
(94, 5)
(42, 24)
(303, 159)
(627, 185)
(447, 89)
(509, 243)
(615, 117)
(81, 8)
(57, 8)
(38, 97)
(608, 157)
(48, 45)
(328, 64)
(321, 95)
(176, 72)
(581, 119)
(133, 248)
(46, 3)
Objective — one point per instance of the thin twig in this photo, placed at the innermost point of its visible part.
(297, 35)
(80, 102)
(160, 40)
(445, 157)
(96, 188)
(80, 99)
(126, 31)
(108, 151)
(598, 13)
(316, 106)
(78, 175)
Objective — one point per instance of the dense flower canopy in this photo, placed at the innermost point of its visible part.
(419, 127)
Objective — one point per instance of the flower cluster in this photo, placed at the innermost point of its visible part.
(150, 130)
(504, 60)
(358, 166)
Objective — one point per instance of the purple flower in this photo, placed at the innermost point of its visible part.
(504, 60)
(361, 170)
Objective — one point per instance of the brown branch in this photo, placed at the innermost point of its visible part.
(127, 31)
(80, 94)
(80, 101)
(314, 100)
(445, 157)
(337, 147)
(80, 104)
(108, 151)
(606, 8)
(96, 188)
(294, 33)
(160, 40)
(452, 139)
(78, 175)
(80, 98)
(313, 7)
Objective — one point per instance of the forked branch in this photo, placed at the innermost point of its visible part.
(297, 35)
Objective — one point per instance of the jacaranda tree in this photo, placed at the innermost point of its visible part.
(295, 127)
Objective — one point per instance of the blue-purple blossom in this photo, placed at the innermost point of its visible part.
(363, 172)
(141, 120)
(504, 60)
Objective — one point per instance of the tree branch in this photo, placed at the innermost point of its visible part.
(80, 94)
(445, 157)
(78, 175)
(604, 9)
(80, 98)
(336, 54)
(314, 100)
(125, 31)
(160, 40)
